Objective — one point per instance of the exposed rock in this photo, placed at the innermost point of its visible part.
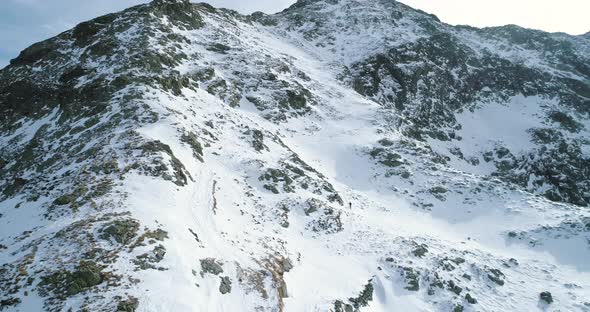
(211, 266)
(364, 297)
(546, 297)
(287, 265)
(470, 299)
(225, 286)
(454, 287)
(192, 140)
(420, 251)
(496, 276)
(412, 279)
(355, 304)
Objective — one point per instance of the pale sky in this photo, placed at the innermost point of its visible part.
(570, 16)
(24, 22)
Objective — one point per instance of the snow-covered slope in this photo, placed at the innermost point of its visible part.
(337, 156)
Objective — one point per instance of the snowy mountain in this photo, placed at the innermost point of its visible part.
(341, 155)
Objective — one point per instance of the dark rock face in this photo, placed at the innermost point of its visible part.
(357, 303)
(546, 297)
(225, 286)
(211, 266)
(561, 165)
(432, 79)
(470, 299)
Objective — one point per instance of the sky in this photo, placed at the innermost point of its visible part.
(24, 22)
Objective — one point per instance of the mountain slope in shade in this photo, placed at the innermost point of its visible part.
(340, 155)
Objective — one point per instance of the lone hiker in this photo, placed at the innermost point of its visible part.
(350, 205)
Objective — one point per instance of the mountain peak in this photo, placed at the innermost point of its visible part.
(164, 2)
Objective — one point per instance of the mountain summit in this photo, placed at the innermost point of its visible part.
(341, 155)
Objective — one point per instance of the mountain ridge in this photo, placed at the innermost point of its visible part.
(179, 157)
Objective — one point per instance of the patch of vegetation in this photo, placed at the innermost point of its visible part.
(64, 200)
(66, 284)
(151, 236)
(70, 199)
(122, 231)
(129, 305)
